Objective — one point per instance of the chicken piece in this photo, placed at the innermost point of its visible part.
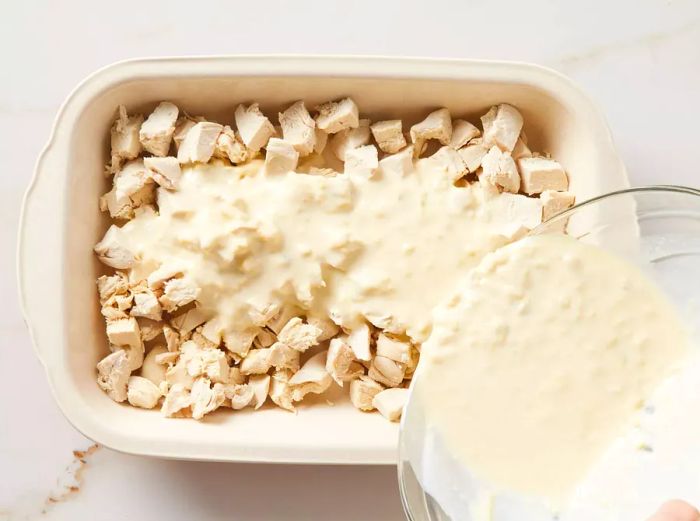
(554, 202)
(502, 125)
(359, 341)
(462, 133)
(112, 252)
(209, 362)
(298, 128)
(281, 391)
(178, 293)
(298, 335)
(361, 161)
(539, 174)
(386, 371)
(157, 278)
(362, 392)
(146, 305)
(327, 327)
(199, 143)
(133, 188)
(389, 135)
(334, 116)
(390, 403)
(178, 374)
(284, 315)
(213, 331)
(515, 211)
(399, 164)
(165, 171)
(206, 397)
(341, 363)
(172, 338)
(321, 141)
(253, 126)
(284, 357)
(142, 393)
(311, 378)
(261, 385)
(157, 131)
(189, 320)
(110, 285)
(393, 349)
(167, 358)
(500, 170)
(521, 150)
(257, 361)
(349, 139)
(152, 369)
(239, 342)
(229, 145)
(177, 400)
(182, 126)
(240, 395)
(124, 332)
(235, 376)
(125, 138)
(448, 162)
(437, 125)
(265, 338)
(472, 155)
(280, 157)
(113, 375)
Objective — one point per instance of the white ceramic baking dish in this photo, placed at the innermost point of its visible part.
(61, 222)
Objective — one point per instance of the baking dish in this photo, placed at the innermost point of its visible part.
(61, 222)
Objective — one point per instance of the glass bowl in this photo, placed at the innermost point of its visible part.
(658, 229)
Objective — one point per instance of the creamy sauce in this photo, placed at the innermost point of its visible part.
(541, 359)
(386, 249)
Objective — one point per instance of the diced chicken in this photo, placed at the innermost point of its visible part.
(177, 374)
(389, 135)
(110, 313)
(515, 211)
(176, 400)
(437, 125)
(502, 125)
(265, 338)
(327, 327)
(208, 362)
(152, 369)
(281, 391)
(239, 342)
(189, 320)
(298, 128)
(125, 138)
(341, 363)
(212, 330)
(157, 131)
(165, 171)
(229, 145)
(157, 278)
(178, 293)
(149, 329)
(448, 162)
(235, 376)
(311, 378)
(280, 157)
(361, 161)
(386, 371)
(390, 403)
(167, 358)
(298, 335)
(521, 150)
(240, 395)
(199, 143)
(124, 332)
(350, 138)
(359, 341)
(113, 375)
(394, 349)
(321, 141)
(206, 397)
(257, 361)
(132, 188)
(253, 126)
(183, 125)
(462, 133)
(146, 305)
(539, 174)
(142, 393)
(362, 392)
(399, 164)
(554, 202)
(500, 170)
(284, 357)
(335, 116)
(285, 314)
(172, 338)
(472, 155)
(261, 386)
(110, 285)
(112, 252)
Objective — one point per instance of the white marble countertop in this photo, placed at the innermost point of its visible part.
(639, 59)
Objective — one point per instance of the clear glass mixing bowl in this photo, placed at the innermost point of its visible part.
(656, 228)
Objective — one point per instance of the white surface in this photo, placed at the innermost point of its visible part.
(638, 59)
(560, 120)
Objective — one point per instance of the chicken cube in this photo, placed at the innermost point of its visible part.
(462, 133)
(199, 143)
(502, 125)
(386, 371)
(124, 332)
(437, 125)
(177, 400)
(393, 349)
(472, 155)
(298, 128)
(125, 138)
(112, 252)
(152, 369)
(146, 305)
(327, 327)
(341, 363)
(261, 386)
(281, 391)
(284, 357)
(335, 116)
(554, 202)
(229, 145)
(361, 161)
(521, 150)
(362, 392)
(449, 162)
(539, 174)
(158, 129)
(165, 171)
(389, 135)
(253, 126)
(298, 335)
(206, 397)
(500, 170)
(178, 293)
(113, 373)
(349, 139)
(359, 341)
(240, 395)
(142, 393)
(390, 403)
(399, 164)
(257, 361)
(311, 378)
(280, 157)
